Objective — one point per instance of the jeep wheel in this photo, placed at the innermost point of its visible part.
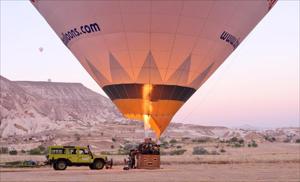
(98, 164)
(60, 165)
(54, 166)
(91, 166)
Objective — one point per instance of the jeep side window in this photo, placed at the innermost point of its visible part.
(83, 151)
(57, 151)
(72, 151)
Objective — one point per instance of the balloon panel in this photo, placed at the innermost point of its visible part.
(151, 56)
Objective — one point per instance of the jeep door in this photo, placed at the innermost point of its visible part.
(72, 155)
(84, 156)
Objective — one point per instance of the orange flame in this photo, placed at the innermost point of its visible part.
(147, 106)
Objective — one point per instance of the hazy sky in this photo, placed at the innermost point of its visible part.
(258, 84)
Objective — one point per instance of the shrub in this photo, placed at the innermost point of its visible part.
(241, 141)
(77, 136)
(185, 139)
(40, 150)
(13, 152)
(254, 144)
(199, 151)
(270, 138)
(3, 150)
(178, 146)
(128, 146)
(233, 140)
(237, 145)
(173, 141)
(112, 146)
(201, 140)
(222, 150)
(177, 152)
(297, 140)
(113, 139)
(23, 151)
(165, 144)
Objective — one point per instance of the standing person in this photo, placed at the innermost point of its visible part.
(132, 155)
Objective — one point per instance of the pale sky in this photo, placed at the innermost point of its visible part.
(258, 84)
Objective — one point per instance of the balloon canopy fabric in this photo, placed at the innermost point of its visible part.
(150, 57)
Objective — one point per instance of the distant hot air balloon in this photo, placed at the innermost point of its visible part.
(148, 56)
(41, 49)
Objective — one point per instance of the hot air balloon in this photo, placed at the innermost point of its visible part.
(150, 57)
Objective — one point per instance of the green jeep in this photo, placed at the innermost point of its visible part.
(62, 156)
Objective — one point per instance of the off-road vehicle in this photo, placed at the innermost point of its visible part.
(62, 156)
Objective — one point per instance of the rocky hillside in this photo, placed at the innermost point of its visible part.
(47, 113)
(32, 107)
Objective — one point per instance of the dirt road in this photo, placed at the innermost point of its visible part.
(262, 172)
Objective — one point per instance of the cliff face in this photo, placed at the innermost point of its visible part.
(30, 107)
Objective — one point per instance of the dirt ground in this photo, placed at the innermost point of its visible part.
(262, 172)
(267, 163)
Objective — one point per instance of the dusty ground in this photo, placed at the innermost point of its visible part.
(268, 162)
(285, 172)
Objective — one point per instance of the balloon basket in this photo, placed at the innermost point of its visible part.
(148, 161)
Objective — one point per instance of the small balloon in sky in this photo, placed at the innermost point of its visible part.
(41, 49)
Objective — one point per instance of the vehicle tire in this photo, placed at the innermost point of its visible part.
(92, 166)
(54, 166)
(60, 165)
(98, 164)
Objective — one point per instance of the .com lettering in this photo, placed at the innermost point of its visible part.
(76, 32)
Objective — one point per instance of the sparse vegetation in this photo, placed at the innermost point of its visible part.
(177, 152)
(222, 150)
(13, 152)
(252, 144)
(270, 138)
(3, 150)
(173, 141)
(77, 136)
(164, 144)
(201, 140)
(237, 145)
(184, 139)
(106, 153)
(40, 150)
(199, 151)
(233, 140)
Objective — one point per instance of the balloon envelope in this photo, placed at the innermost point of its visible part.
(151, 56)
